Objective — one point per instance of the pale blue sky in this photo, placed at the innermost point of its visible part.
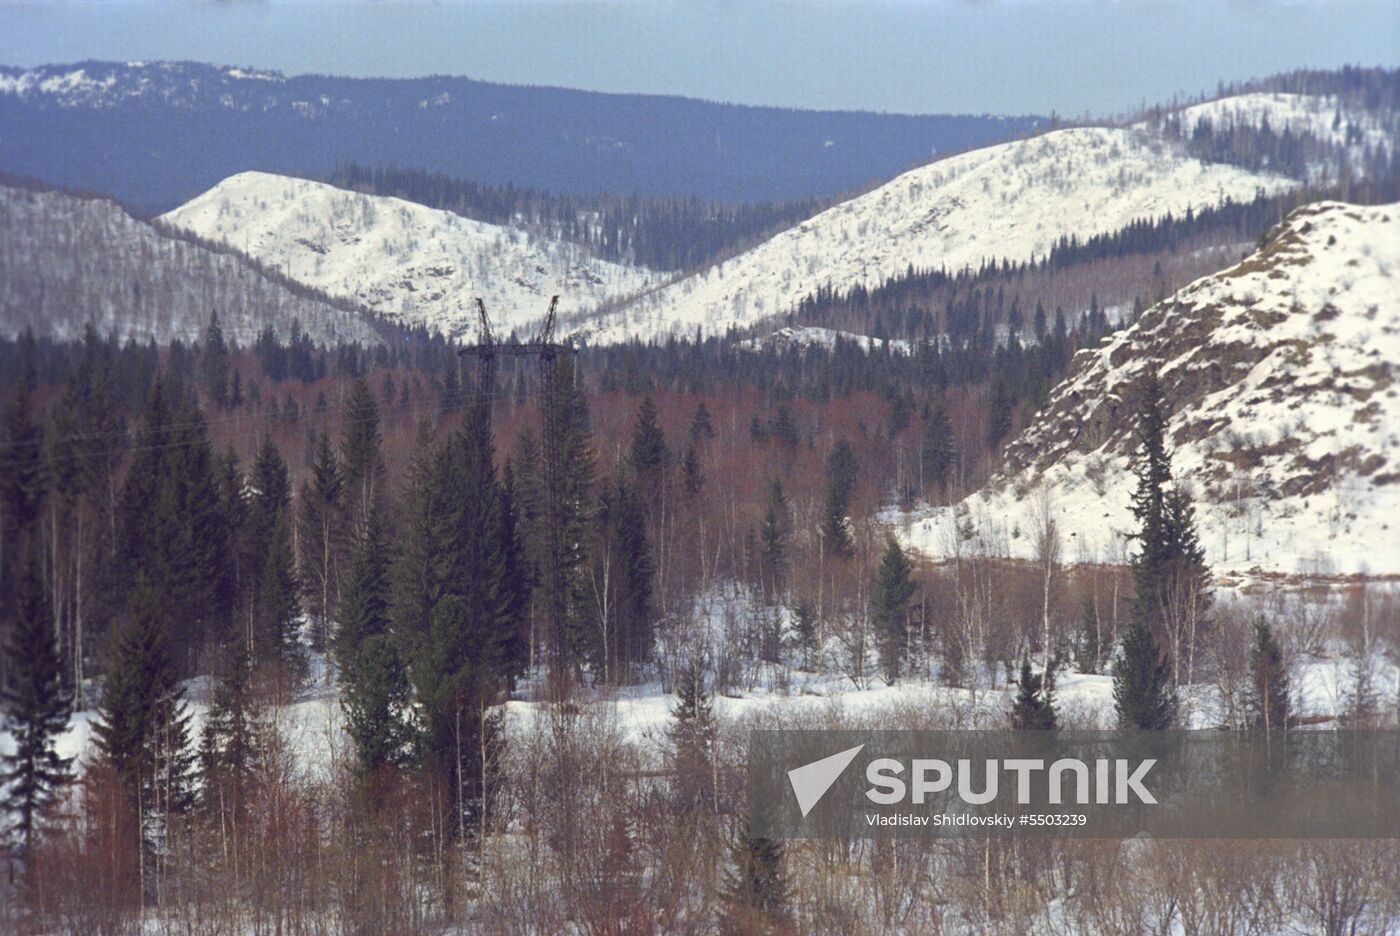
(998, 56)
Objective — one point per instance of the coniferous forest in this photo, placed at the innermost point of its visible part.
(314, 620)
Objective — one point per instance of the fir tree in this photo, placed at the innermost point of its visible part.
(648, 454)
(622, 585)
(1142, 686)
(215, 364)
(1153, 468)
(1033, 709)
(773, 535)
(702, 429)
(142, 730)
(756, 893)
(277, 631)
(841, 468)
(692, 475)
(364, 470)
(1267, 704)
(373, 677)
(999, 412)
(21, 489)
(36, 707)
(228, 747)
(692, 739)
(936, 451)
(575, 501)
(173, 525)
(894, 586)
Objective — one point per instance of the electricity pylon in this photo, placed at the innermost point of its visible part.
(548, 351)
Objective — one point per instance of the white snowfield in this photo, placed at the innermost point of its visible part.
(1281, 379)
(1010, 201)
(407, 262)
(811, 336)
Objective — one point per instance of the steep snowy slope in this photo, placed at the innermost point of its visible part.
(67, 262)
(1013, 200)
(409, 263)
(1281, 378)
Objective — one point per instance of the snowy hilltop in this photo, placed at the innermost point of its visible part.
(1012, 201)
(408, 263)
(1281, 378)
(86, 261)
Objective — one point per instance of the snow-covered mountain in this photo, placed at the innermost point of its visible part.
(1282, 376)
(67, 262)
(1010, 201)
(409, 263)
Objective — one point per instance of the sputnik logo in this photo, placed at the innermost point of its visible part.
(811, 781)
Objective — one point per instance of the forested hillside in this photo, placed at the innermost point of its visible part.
(71, 262)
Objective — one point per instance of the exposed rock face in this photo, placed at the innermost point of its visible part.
(1280, 376)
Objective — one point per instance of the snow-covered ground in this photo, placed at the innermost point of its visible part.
(1318, 115)
(313, 727)
(407, 262)
(1010, 201)
(1281, 379)
(811, 336)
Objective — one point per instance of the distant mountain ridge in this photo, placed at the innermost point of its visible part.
(156, 134)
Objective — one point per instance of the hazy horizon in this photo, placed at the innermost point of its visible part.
(1022, 57)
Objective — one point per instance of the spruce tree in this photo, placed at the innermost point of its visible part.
(360, 452)
(621, 612)
(36, 707)
(647, 454)
(215, 364)
(756, 893)
(773, 535)
(692, 739)
(373, 678)
(1033, 709)
(692, 475)
(936, 451)
(142, 730)
(894, 586)
(1267, 704)
(21, 489)
(1152, 465)
(702, 429)
(277, 624)
(575, 501)
(1142, 688)
(228, 748)
(172, 522)
(999, 412)
(841, 469)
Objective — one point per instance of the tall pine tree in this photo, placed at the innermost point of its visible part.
(894, 586)
(36, 707)
(1267, 703)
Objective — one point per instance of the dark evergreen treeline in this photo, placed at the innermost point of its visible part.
(660, 233)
